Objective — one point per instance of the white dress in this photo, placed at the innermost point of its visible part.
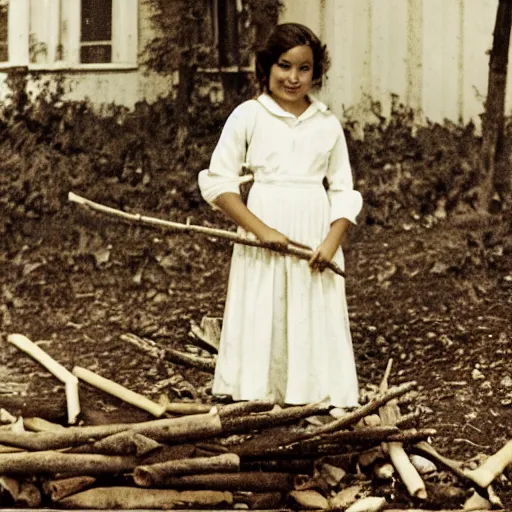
(285, 334)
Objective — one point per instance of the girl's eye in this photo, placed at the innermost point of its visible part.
(283, 65)
(304, 68)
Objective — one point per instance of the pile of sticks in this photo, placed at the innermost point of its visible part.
(252, 455)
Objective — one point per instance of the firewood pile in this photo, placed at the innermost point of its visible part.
(246, 455)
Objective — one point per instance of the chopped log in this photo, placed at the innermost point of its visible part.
(156, 474)
(41, 425)
(249, 481)
(123, 443)
(241, 424)
(52, 462)
(58, 489)
(170, 452)
(150, 348)
(389, 414)
(199, 426)
(55, 368)
(369, 504)
(103, 498)
(49, 408)
(208, 334)
(115, 389)
(294, 249)
(492, 467)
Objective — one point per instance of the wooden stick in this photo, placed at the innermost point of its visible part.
(304, 254)
(55, 368)
(492, 467)
(389, 414)
(174, 356)
(156, 474)
(199, 426)
(114, 498)
(114, 389)
(41, 425)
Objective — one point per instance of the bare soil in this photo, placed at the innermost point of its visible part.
(437, 300)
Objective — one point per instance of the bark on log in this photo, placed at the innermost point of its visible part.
(249, 481)
(123, 443)
(260, 500)
(183, 408)
(241, 424)
(199, 426)
(187, 228)
(55, 368)
(58, 489)
(115, 389)
(134, 498)
(166, 354)
(156, 474)
(298, 466)
(49, 408)
(52, 462)
(242, 408)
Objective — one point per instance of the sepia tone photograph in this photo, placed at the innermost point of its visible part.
(256, 255)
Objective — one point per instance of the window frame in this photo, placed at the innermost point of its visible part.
(125, 21)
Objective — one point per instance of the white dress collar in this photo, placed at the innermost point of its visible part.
(272, 106)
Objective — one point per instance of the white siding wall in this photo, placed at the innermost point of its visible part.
(431, 53)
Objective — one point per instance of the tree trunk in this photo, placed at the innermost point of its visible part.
(492, 136)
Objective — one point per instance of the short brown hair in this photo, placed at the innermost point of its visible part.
(285, 37)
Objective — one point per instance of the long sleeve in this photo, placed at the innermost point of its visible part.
(223, 174)
(345, 201)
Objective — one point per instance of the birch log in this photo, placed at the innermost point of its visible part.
(55, 368)
(114, 389)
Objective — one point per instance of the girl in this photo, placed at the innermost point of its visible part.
(285, 335)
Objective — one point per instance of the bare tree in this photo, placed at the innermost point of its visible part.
(493, 123)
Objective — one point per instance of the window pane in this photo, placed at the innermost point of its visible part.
(96, 54)
(96, 20)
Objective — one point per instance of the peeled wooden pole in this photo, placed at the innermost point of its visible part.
(69, 380)
(114, 389)
(292, 250)
(492, 467)
(156, 474)
(389, 414)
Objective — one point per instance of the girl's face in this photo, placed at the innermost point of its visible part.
(291, 77)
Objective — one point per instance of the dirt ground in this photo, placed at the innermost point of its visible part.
(438, 300)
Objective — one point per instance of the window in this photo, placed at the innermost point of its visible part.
(4, 23)
(96, 31)
(69, 34)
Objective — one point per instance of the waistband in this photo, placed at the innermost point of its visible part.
(283, 179)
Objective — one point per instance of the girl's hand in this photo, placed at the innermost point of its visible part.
(277, 239)
(323, 255)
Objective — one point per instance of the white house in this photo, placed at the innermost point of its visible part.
(433, 54)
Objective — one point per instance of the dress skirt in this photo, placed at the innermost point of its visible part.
(285, 335)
